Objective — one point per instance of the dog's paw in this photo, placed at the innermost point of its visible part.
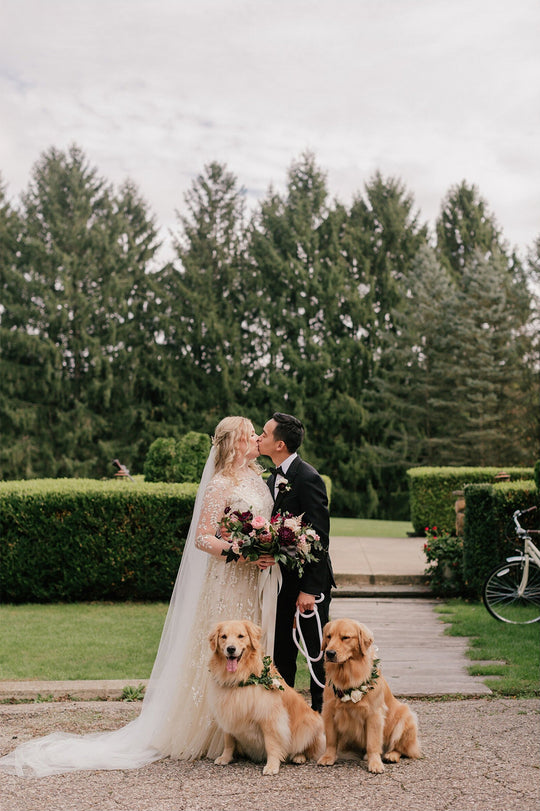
(326, 760)
(299, 758)
(223, 760)
(375, 764)
(272, 767)
(392, 757)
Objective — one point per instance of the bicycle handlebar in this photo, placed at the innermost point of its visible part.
(520, 530)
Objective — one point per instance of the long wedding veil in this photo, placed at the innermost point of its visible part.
(131, 746)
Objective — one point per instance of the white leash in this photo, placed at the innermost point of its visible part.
(300, 642)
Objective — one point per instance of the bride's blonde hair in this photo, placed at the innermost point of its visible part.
(229, 433)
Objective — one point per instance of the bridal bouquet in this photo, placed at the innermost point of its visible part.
(288, 538)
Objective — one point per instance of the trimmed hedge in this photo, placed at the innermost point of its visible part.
(431, 488)
(177, 460)
(489, 534)
(82, 539)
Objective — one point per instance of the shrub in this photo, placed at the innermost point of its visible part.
(537, 474)
(160, 460)
(489, 536)
(193, 450)
(444, 552)
(431, 492)
(82, 539)
(177, 460)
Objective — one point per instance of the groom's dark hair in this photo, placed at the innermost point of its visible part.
(289, 429)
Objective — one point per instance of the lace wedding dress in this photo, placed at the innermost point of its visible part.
(176, 718)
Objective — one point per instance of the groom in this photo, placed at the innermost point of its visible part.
(297, 488)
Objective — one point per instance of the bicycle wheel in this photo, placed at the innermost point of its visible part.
(500, 593)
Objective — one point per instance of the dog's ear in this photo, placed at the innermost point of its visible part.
(325, 630)
(254, 633)
(213, 638)
(365, 638)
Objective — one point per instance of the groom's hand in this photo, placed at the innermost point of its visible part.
(305, 602)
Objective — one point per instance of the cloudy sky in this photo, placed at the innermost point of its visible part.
(430, 91)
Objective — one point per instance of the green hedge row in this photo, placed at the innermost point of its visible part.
(489, 537)
(431, 489)
(82, 539)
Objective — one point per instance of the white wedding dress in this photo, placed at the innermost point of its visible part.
(176, 718)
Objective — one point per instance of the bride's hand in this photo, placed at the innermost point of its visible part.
(265, 561)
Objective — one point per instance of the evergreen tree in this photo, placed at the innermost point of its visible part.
(489, 364)
(382, 237)
(143, 394)
(465, 227)
(207, 324)
(413, 398)
(305, 356)
(85, 262)
(532, 380)
(23, 356)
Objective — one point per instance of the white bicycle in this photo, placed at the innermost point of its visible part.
(511, 592)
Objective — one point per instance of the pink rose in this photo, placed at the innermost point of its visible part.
(258, 522)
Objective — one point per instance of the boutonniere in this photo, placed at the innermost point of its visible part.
(284, 487)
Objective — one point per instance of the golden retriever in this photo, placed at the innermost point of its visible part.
(265, 718)
(359, 710)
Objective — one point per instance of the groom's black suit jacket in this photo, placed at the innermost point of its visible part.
(307, 496)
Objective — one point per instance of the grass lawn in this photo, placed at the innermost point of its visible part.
(508, 654)
(367, 528)
(79, 640)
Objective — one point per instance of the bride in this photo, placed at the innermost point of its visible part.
(175, 718)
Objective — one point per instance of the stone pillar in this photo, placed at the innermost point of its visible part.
(459, 507)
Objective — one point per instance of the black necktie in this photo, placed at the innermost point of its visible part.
(278, 470)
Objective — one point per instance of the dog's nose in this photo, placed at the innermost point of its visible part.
(231, 650)
(330, 655)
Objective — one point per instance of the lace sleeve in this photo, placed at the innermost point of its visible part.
(216, 498)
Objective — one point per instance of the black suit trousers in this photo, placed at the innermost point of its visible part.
(285, 650)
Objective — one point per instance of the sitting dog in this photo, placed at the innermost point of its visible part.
(359, 710)
(261, 716)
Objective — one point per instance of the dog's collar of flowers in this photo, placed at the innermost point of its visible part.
(265, 679)
(356, 694)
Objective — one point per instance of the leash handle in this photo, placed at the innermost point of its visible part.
(299, 640)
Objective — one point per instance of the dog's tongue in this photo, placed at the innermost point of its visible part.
(232, 664)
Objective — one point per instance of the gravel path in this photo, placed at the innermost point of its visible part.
(480, 753)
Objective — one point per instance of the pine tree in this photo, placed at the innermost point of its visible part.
(207, 324)
(465, 227)
(142, 401)
(532, 379)
(23, 356)
(489, 363)
(413, 398)
(381, 240)
(85, 262)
